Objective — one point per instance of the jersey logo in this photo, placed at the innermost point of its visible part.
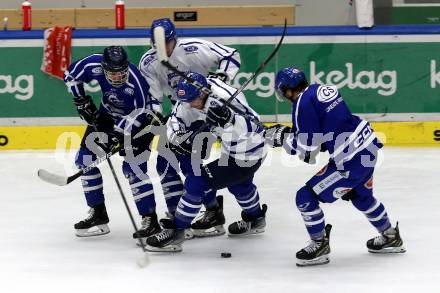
(369, 183)
(304, 206)
(191, 49)
(97, 71)
(327, 181)
(129, 91)
(113, 101)
(147, 60)
(181, 93)
(327, 93)
(341, 191)
(213, 103)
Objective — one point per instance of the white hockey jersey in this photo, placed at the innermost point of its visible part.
(243, 139)
(189, 55)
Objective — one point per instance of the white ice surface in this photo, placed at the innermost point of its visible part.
(39, 252)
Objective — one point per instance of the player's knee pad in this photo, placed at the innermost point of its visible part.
(306, 200)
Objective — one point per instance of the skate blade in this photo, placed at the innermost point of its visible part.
(322, 260)
(247, 233)
(388, 250)
(93, 231)
(211, 232)
(168, 248)
(188, 236)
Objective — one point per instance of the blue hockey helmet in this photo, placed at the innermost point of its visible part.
(187, 92)
(288, 78)
(168, 26)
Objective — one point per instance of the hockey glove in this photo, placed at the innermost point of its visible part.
(220, 75)
(114, 140)
(219, 116)
(275, 135)
(86, 109)
(142, 137)
(180, 143)
(104, 122)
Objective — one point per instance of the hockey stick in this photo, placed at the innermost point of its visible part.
(159, 36)
(141, 262)
(63, 180)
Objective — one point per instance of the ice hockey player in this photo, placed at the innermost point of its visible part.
(321, 119)
(187, 54)
(126, 107)
(242, 151)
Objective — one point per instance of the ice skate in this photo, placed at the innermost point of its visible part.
(249, 225)
(167, 223)
(169, 240)
(95, 224)
(149, 227)
(211, 223)
(388, 242)
(317, 252)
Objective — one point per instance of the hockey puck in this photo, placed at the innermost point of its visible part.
(226, 254)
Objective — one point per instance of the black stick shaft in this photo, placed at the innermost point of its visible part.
(92, 165)
(124, 199)
(244, 85)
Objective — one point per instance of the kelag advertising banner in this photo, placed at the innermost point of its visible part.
(380, 77)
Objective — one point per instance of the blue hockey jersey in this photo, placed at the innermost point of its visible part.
(320, 116)
(125, 104)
